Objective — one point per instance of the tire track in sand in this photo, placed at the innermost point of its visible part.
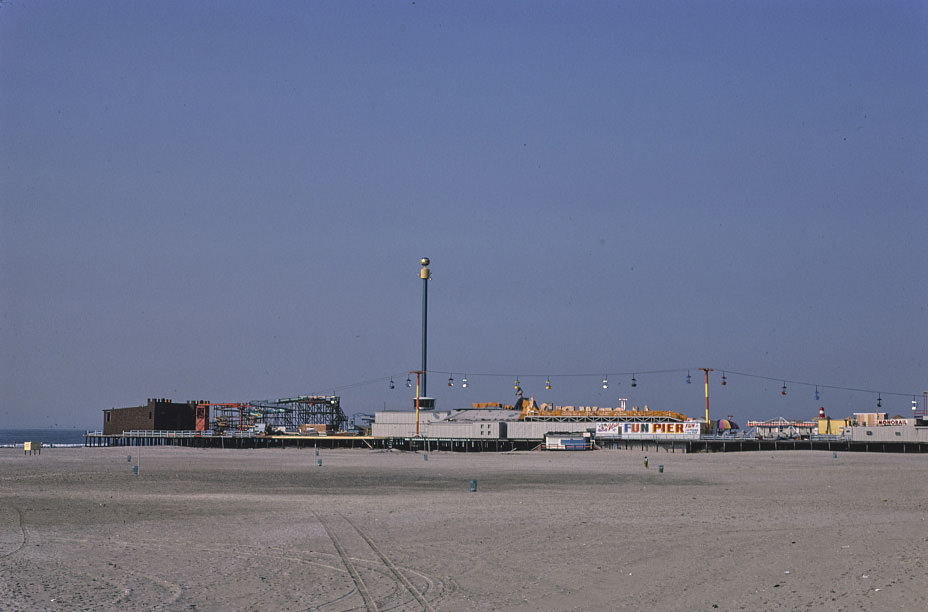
(382, 567)
(365, 593)
(392, 567)
(22, 534)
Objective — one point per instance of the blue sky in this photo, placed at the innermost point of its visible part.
(228, 201)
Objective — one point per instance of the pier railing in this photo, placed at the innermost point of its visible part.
(738, 437)
(137, 433)
(171, 433)
(188, 434)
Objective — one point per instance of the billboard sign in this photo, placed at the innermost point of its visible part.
(671, 430)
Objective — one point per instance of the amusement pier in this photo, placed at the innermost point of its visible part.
(319, 422)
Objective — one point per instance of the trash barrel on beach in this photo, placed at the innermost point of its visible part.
(660, 469)
(135, 469)
(473, 486)
(425, 457)
(129, 458)
(319, 462)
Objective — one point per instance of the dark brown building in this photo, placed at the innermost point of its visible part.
(157, 415)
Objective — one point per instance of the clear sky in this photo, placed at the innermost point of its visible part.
(229, 200)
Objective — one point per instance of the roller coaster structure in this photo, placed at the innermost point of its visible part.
(286, 414)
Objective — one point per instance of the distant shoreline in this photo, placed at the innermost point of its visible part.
(50, 438)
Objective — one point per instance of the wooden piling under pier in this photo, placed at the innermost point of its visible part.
(723, 446)
(191, 439)
(186, 439)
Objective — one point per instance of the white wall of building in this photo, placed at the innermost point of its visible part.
(888, 433)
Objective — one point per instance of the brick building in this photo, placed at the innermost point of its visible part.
(156, 415)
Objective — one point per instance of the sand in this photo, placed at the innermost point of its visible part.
(374, 530)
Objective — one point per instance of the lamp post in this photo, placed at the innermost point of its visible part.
(425, 274)
(707, 370)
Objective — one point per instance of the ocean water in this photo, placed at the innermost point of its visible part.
(48, 437)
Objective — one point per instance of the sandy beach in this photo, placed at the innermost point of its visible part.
(375, 530)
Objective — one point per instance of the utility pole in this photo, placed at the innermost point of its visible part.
(707, 370)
